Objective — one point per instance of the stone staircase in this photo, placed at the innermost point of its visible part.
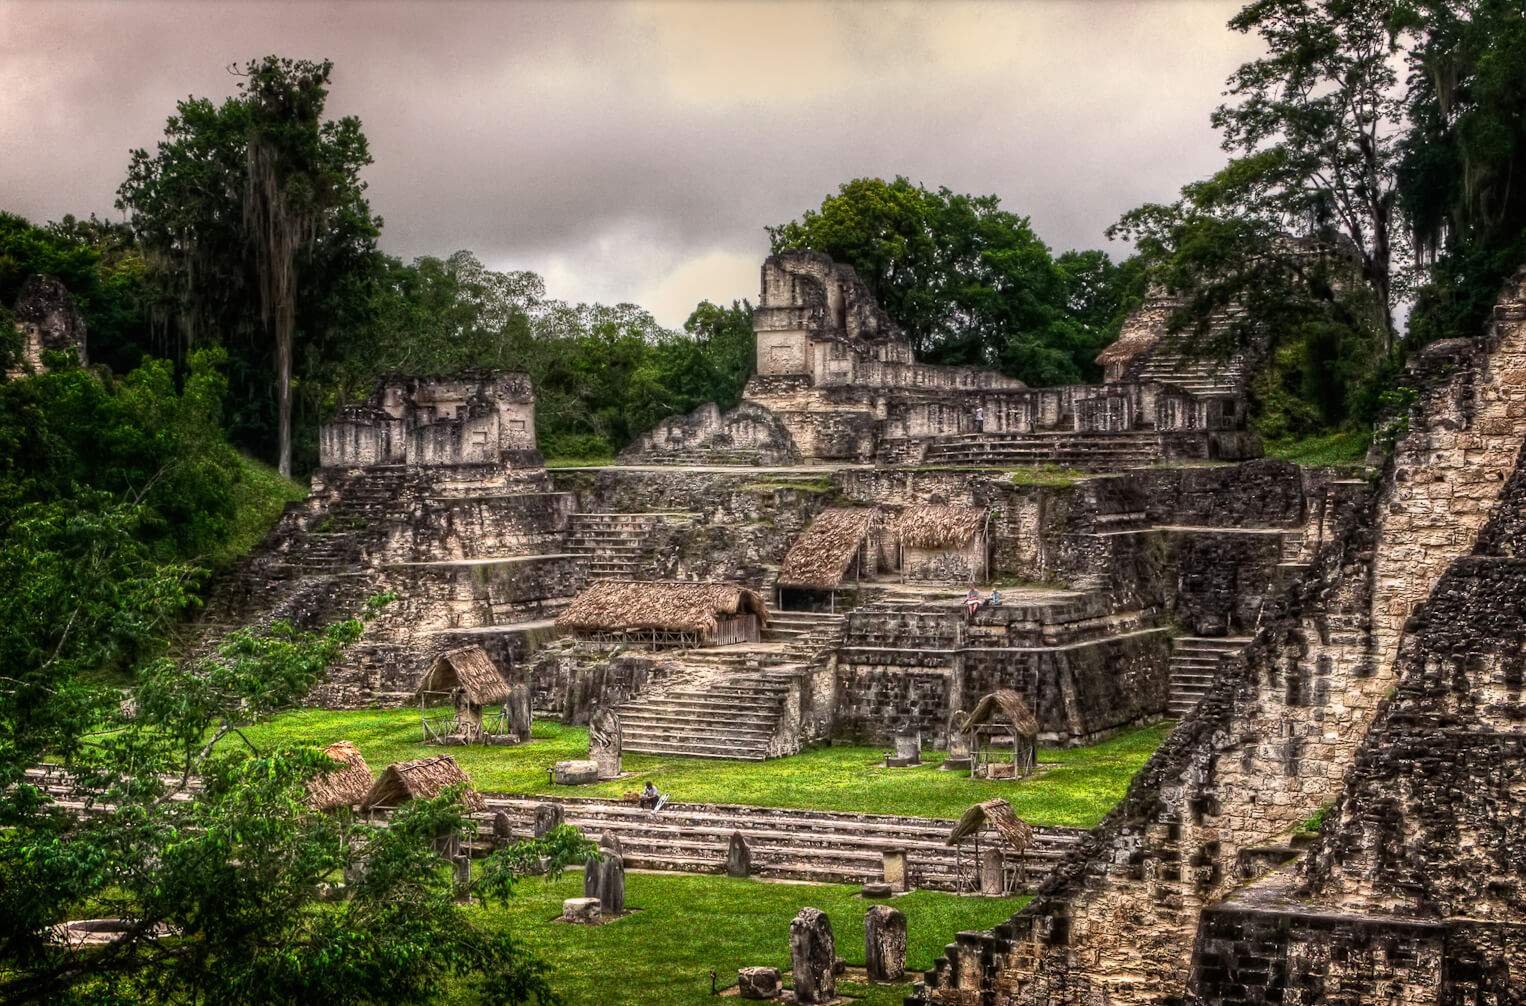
(1101, 452)
(1195, 660)
(717, 710)
(611, 541)
(805, 634)
(786, 844)
(1169, 364)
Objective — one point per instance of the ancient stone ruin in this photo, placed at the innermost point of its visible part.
(49, 322)
(1337, 806)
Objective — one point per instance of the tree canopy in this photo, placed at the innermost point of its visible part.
(970, 282)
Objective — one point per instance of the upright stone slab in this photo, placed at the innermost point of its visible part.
(520, 716)
(959, 754)
(992, 882)
(813, 956)
(908, 750)
(591, 875)
(547, 816)
(610, 842)
(605, 742)
(893, 863)
(503, 828)
(611, 885)
(885, 944)
(738, 856)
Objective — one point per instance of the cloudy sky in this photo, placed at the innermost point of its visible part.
(635, 151)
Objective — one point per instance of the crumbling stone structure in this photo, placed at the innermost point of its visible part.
(470, 419)
(836, 380)
(1289, 723)
(49, 321)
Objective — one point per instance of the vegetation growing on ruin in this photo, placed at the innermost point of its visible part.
(1341, 449)
(684, 926)
(1074, 788)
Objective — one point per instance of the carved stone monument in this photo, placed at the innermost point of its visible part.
(547, 816)
(813, 957)
(893, 862)
(908, 750)
(992, 883)
(738, 856)
(604, 743)
(885, 944)
(959, 754)
(520, 717)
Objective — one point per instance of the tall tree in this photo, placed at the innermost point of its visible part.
(1318, 118)
(1463, 160)
(969, 281)
(255, 208)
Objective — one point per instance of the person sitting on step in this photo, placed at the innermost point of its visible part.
(650, 798)
(994, 601)
(971, 605)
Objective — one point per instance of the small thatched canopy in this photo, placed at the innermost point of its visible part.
(660, 605)
(345, 786)
(421, 779)
(998, 813)
(940, 526)
(1141, 330)
(470, 669)
(1009, 706)
(822, 556)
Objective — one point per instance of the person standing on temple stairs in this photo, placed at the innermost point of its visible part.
(980, 419)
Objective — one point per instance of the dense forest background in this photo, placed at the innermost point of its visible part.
(1369, 203)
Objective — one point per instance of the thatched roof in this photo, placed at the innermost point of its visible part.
(998, 813)
(1141, 330)
(470, 669)
(821, 556)
(940, 526)
(345, 786)
(420, 779)
(1009, 706)
(663, 605)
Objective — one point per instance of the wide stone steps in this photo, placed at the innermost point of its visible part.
(1195, 662)
(725, 714)
(785, 844)
(1086, 451)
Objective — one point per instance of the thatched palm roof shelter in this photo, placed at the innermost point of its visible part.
(420, 779)
(1016, 833)
(822, 556)
(690, 611)
(1008, 705)
(345, 786)
(470, 669)
(936, 526)
(1002, 712)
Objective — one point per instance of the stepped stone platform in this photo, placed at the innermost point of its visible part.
(1195, 662)
(787, 844)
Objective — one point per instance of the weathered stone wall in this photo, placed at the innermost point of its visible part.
(571, 681)
(1084, 674)
(48, 321)
(1273, 740)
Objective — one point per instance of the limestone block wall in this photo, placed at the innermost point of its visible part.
(482, 526)
(748, 433)
(1271, 743)
(1414, 891)
(471, 593)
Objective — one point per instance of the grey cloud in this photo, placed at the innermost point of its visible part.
(613, 146)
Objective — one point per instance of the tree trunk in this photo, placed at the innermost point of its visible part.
(283, 389)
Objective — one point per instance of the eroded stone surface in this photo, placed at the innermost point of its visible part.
(885, 944)
(813, 956)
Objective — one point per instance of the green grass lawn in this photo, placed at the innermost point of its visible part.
(1346, 448)
(1075, 786)
(687, 926)
(259, 495)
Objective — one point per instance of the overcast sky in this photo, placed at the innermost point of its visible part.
(635, 151)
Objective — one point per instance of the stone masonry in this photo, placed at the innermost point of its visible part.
(1282, 725)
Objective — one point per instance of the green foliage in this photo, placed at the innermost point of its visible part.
(260, 495)
(253, 216)
(1315, 821)
(969, 282)
(1333, 450)
(1075, 787)
(1460, 160)
(229, 874)
(1315, 122)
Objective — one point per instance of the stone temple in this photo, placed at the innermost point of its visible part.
(1336, 816)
